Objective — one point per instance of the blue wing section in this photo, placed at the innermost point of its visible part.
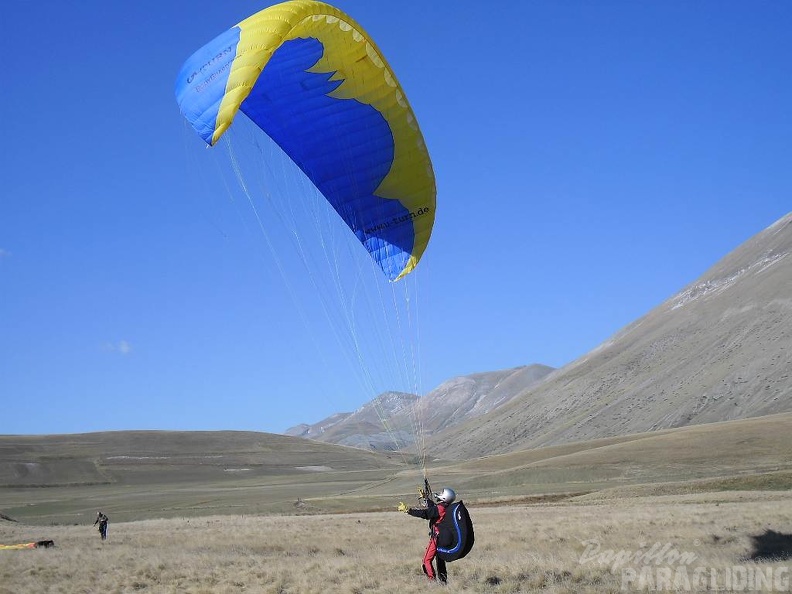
(345, 147)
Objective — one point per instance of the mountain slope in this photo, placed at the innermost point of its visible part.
(393, 419)
(720, 349)
(364, 428)
(468, 397)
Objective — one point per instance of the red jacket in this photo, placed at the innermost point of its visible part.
(433, 512)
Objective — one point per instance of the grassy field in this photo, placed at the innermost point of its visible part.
(244, 512)
(149, 475)
(574, 546)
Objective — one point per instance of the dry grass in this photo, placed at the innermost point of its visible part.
(521, 548)
(44, 479)
(701, 491)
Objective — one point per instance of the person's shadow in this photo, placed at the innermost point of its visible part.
(771, 546)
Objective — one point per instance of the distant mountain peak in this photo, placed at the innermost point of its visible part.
(388, 421)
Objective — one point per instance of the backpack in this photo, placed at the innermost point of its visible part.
(455, 533)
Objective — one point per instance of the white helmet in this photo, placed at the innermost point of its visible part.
(446, 495)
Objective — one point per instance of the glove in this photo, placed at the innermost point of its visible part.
(403, 507)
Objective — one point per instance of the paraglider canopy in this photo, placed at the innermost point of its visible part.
(311, 79)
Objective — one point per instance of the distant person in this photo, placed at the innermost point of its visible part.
(102, 520)
(434, 512)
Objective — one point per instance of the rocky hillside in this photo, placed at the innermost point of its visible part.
(364, 428)
(394, 419)
(720, 349)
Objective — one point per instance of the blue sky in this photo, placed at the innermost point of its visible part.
(592, 158)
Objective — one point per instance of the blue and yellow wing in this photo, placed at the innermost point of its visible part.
(312, 80)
